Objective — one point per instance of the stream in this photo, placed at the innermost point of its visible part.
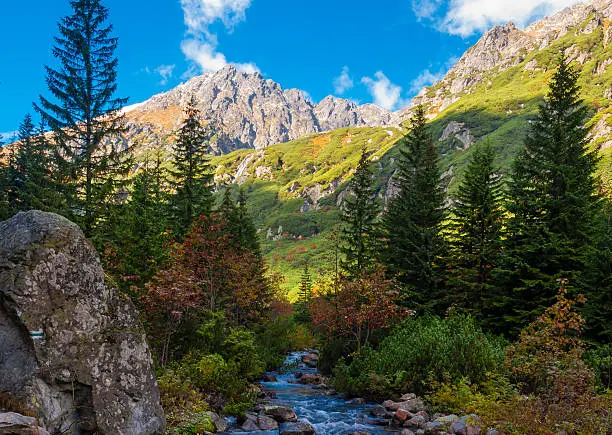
(327, 414)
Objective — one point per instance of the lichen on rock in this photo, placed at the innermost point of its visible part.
(71, 347)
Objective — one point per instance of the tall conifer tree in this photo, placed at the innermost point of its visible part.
(553, 204)
(359, 216)
(84, 114)
(476, 230)
(413, 222)
(192, 176)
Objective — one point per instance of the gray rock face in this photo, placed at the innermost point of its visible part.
(70, 346)
(249, 111)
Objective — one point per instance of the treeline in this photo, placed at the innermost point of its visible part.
(479, 301)
(498, 247)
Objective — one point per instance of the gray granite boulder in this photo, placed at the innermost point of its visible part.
(71, 347)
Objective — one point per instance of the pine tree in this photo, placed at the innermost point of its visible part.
(359, 216)
(598, 309)
(30, 184)
(302, 307)
(136, 241)
(413, 222)
(246, 230)
(5, 210)
(84, 115)
(476, 230)
(192, 174)
(553, 204)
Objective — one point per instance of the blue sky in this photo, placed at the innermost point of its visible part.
(367, 51)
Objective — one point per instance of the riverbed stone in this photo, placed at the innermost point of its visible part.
(69, 343)
(310, 360)
(412, 405)
(270, 378)
(415, 422)
(466, 425)
(435, 427)
(16, 424)
(281, 414)
(218, 422)
(379, 411)
(312, 379)
(266, 423)
(357, 401)
(401, 415)
(406, 432)
(296, 428)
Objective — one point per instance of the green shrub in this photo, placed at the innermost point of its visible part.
(600, 359)
(280, 336)
(197, 424)
(421, 353)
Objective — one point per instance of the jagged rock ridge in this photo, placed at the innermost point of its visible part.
(248, 111)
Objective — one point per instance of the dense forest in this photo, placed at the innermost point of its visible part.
(493, 298)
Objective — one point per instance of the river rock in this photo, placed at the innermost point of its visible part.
(415, 422)
(281, 414)
(266, 423)
(297, 428)
(379, 411)
(357, 401)
(435, 428)
(17, 424)
(270, 378)
(413, 405)
(250, 423)
(466, 425)
(401, 415)
(218, 422)
(70, 344)
(311, 379)
(406, 432)
(310, 360)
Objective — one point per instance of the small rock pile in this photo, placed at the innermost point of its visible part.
(271, 418)
(409, 415)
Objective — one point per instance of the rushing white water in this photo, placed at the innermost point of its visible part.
(328, 414)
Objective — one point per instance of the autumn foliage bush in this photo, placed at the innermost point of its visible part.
(557, 386)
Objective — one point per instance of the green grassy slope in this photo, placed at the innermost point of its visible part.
(280, 177)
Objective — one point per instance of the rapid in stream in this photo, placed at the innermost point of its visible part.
(328, 414)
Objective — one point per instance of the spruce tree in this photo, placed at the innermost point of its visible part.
(5, 210)
(553, 204)
(359, 216)
(192, 176)
(246, 232)
(84, 114)
(30, 183)
(476, 230)
(302, 306)
(137, 237)
(414, 218)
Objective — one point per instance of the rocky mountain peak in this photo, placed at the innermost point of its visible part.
(250, 111)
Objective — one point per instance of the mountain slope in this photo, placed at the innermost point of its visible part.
(490, 95)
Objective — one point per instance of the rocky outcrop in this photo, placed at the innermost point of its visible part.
(71, 347)
(247, 110)
(459, 131)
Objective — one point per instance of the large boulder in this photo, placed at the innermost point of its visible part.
(71, 347)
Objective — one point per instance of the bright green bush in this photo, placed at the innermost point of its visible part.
(280, 336)
(421, 353)
(600, 359)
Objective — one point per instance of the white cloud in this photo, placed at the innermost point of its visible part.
(7, 137)
(425, 8)
(465, 17)
(201, 46)
(343, 82)
(385, 93)
(165, 72)
(428, 77)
